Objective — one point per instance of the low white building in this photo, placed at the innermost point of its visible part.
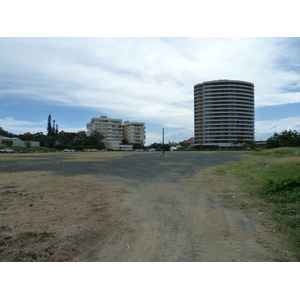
(18, 142)
(117, 146)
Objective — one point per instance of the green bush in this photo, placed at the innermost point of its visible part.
(285, 183)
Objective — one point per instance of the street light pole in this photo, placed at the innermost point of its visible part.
(163, 140)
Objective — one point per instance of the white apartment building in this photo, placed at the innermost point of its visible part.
(134, 132)
(114, 130)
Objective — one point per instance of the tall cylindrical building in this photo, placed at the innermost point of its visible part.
(223, 112)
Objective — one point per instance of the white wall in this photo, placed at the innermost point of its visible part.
(18, 142)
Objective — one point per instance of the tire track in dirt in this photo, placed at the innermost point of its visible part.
(187, 221)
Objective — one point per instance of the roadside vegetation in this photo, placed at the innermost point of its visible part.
(21, 149)
(286, 138)
(272, 179)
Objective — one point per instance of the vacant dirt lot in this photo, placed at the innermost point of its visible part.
(129, 207)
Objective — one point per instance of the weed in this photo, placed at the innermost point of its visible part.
(285, 183)
(220, 170)
(278, 152)
(274, 177)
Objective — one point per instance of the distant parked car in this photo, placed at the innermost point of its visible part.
(91, 150)
(7, 150)
(69, 150)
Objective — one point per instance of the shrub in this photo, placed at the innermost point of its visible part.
(284, 183)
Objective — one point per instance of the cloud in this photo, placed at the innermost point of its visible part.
(265, 129)
(12, 122)
(279, 99)
(20, 126)
(144, 79)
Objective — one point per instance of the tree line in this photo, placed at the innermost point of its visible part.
(286, 138)
(60, 139)
(80, 140)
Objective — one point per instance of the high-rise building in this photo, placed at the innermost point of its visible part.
(223, 112)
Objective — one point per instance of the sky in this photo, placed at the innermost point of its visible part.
(141, 78)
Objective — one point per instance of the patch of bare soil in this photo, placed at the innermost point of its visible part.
(45, 218)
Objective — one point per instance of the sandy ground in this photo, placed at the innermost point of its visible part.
(136, 207)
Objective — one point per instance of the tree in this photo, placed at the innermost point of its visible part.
(27, 144)
(5, 133)
(125, 142)
(95, 139)
(273, 141)
(53, 128)
(81, 137)
(249, 144)
(165, 147)
(7, 143)
(49, 126)
(155, 146)
(49, 141)
(39, 137)
(97, 136)
(26, 136)
(238, 142)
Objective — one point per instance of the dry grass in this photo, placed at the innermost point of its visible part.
(95, 156)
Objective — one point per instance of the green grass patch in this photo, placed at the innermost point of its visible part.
(272, 177)
(278, 152)
(30, 149)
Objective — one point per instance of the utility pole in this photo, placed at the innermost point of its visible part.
(163, 140)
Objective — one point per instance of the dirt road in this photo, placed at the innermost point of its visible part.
(134, 207)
